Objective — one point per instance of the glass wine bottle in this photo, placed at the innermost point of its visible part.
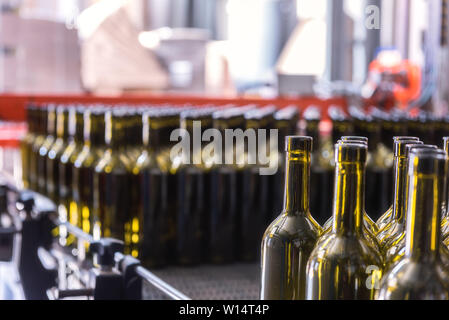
(344, 265)
(420, 275)
(289, 240)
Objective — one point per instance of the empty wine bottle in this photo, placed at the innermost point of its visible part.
(27, 142)
(378, 169)
(341, 124)
(112, 179)
(420, 275)
(344, 265)
(69, 180)
(321, 168)
(445, 215)
(194, 187)
(289, 240)
(157, 176)
(84, 166)
(386, 218)
(226, 194)
(41, 129)
(56, 151)
(394, 250)
(286, 122)
(255, 186)
(44, 149)
(397, 223)
(152, 209)
(370, 227)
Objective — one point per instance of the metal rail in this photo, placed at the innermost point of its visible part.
(157, 282)
(145, 274)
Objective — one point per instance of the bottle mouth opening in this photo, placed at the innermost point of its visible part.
(298, 144)
(428, 161)
(354, 138)
(350, 152)
(400, 146)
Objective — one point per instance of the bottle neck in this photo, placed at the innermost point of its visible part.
(349, 198)
(114, 132)
(65, 125)
(296, 192)
(425, 199)
(51, 123)
(97, 131)
(79, 128)
(43, 121)
(399, 195)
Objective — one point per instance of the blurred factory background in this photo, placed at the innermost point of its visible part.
(265, 48)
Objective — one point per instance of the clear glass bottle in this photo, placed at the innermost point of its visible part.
(343, 264)
(291, 237)
(421, 275)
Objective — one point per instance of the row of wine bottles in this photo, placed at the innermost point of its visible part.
(379, 127)
(110, 170)
(403, 255)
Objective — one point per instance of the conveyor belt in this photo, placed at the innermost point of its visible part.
(209, 282)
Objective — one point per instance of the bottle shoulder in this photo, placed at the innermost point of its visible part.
(343, 249)
(57, 149)
(114, 162)
(291, 228)
(71, 149)
(88, 157)
(415, 280)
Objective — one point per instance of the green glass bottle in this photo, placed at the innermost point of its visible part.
(149, 224)
(289, 240)
(255, 187)
(81, 125)
(387, 217)
(41, 128)
(154, 225)
(397, 223)
(445, 216)
(56, 151)
(67, 192)
(321, 172)
(27, 142)
(394, 250)
(344, 265)
(226, 192)
(286, 122)
(44, 149)
(112, 179)
(369, 224)
(421, 275)
(83, 169)
(194, 185)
